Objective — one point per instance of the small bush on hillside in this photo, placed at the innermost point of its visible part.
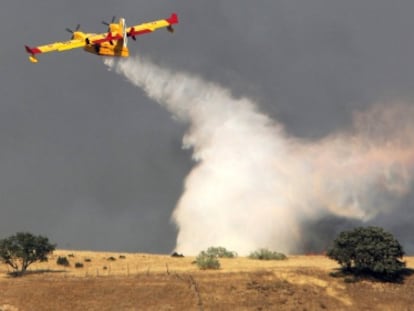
(87, 260)
(78, 265)
(62, 261)
(122, 257)
(265, 254)
(71, 255)
(206, 261)
(220, 252)
(111, 258)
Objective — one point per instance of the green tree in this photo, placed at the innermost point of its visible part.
(22, 249)
(368, 250)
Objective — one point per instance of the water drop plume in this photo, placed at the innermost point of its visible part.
(253, 185)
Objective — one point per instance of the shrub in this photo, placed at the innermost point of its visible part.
(62, 261)
(111, 258)
(206, 261)
(122, 257)
(78, 265)
(87, 260)
(368, 250)
(265, 254)
(220, 252)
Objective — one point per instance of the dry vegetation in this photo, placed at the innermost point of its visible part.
(161, 282)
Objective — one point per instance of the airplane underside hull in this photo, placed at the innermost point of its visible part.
(108, 50)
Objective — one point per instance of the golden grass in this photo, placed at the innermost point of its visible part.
(162, 282)
(135, 263)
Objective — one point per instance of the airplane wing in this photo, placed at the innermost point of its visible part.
(152, 26)
(56, 46)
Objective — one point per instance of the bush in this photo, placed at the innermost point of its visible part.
(22, 249)
(265, 254)
(87, 260)
(62, 261)
(220, 252)
(78, 265)
(368, 250)
(207, 261)
(111, 258)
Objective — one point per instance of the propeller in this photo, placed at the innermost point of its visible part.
(109, 29)
(112, 21)
(72, 31)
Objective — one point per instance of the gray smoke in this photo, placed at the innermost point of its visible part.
(253, 185)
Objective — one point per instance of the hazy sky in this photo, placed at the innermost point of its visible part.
(88, 160)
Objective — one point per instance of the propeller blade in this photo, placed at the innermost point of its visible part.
(72, 31)
(112, 21)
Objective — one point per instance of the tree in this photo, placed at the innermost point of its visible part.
(368, 250)
(22, 249)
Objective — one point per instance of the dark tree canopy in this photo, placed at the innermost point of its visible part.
(368, 250)
(22, 249)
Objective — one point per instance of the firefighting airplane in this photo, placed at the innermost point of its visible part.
(112, 43)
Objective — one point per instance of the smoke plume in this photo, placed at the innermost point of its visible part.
(253, 185)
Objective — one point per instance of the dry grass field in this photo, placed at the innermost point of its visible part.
(161, 282)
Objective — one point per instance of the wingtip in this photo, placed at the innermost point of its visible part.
(173, 18)
(32, 50)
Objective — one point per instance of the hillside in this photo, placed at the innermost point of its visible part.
(160, 282)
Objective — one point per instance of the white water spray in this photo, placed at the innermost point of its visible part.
(253, 185)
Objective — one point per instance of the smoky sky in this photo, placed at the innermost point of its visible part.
(89, 161)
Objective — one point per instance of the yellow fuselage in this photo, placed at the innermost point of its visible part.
(114, 48)
(107, 49)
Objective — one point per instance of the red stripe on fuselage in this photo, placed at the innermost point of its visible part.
(108, 38)
(137, 33)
